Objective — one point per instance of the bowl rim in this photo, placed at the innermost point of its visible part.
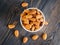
(37, 29)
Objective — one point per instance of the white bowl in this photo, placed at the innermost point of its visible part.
(40, 27)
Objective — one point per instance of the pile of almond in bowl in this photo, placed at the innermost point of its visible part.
(32, 19)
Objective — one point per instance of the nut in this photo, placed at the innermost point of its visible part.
(28, 26)
(37, 26)
(38, 12)
(38, 16)
(26, 11)
(41, 19)
(36, 23)
(26, 21)
(44, 36)
(32, 11)
(46, 23)
(16, 33)
(10, 26)
(35, 37)
(33, 28)
(28, 16)
(32, 19)
(25, 39)
(24, 4)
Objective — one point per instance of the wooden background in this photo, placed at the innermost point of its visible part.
(10, 11)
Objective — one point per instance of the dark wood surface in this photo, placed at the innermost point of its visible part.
(10, 11)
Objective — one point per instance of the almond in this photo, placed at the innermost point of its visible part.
(24, 4)
(10, 26)
(44, 36)
(33, 28)
(16, 33)
(25, 39)
(28, 26)
(46, 23)
(35, 37)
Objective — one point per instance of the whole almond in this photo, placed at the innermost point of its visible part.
(46, 23)
(25, 39)
(10, 26)
(24, 4)
(44, 36)
(16, 33)
(35, 37)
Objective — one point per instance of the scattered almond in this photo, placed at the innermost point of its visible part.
(46, 23)
(35, 37)
(44, 36)
(16, 33)
(10, 26)
(25, 39)
(24, 4)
